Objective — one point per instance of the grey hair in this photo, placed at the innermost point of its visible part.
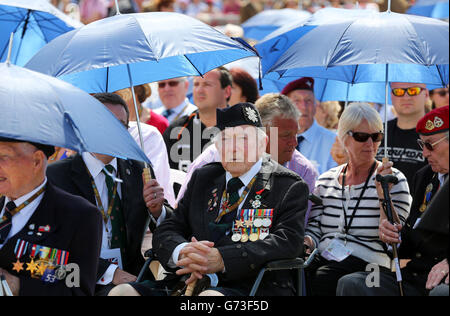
(273, 105)
(354, 114)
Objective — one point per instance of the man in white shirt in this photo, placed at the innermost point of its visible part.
(39, 221)
(125, 202)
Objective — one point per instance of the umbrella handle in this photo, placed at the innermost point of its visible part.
(147, 175)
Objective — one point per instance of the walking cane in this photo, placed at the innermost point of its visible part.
(387, 207)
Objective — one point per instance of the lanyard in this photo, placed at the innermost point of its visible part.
(347, 226)
(230, 208)
(23, 205)
(99, 200)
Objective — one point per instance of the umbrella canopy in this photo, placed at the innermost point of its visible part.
(432, 8)
(34, 24)
(267, 21)
(339, 37)
(46, 110)
(155, 46)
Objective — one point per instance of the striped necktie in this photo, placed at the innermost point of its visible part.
(6, 224)
(118, 233)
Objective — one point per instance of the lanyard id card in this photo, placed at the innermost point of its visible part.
(336, 251)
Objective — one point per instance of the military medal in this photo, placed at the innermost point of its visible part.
(236, 237)
(244, 238)
(263, 233)
(256, 203)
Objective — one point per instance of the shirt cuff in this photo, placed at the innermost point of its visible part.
(176, 253)
(161, 217)
(108, 277)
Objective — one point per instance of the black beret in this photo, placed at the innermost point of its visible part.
(237, 115)
(48, 150)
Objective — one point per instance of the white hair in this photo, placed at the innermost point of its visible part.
(354, 114)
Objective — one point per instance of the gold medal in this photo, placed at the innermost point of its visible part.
(253, 237)
(244, 238)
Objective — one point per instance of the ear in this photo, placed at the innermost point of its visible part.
(228, 93)
(39, 160)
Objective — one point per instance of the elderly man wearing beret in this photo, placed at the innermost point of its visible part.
(428, 267)
(314, 141)
(236, 214)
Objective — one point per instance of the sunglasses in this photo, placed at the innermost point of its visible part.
(363, 137)
(442, 93)
(413, 91)
(428, 145)
(172, 84)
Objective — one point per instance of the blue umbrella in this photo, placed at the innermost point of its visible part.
(34, 24)
(132, 49)
(432, 8)
(153, 46)
(339, 37)
(46, 110)
(267, 21)
(361, 47)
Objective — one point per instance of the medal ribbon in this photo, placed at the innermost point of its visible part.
(228, 209)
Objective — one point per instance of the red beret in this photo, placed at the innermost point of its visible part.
(305, 83)
(434, 122)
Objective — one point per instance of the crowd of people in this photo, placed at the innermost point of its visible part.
(251, 166)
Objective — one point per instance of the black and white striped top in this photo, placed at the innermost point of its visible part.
(327, 221)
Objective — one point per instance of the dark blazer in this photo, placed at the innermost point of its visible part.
(425, 249)
(71, 175)
(75, 226)
(284, 191)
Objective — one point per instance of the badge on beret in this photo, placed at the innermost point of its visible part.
(438, 122)
(429, 125)
(250, 114)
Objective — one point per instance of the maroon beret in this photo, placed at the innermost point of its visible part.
(433, 122)
(305, 83)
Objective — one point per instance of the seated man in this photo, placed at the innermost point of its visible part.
(42, 228)
(279, 116)
(116, 187)
(428, 266)
(236, 215)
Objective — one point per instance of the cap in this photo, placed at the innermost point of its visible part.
(47, 149)
(237, 115)
(305, 83)
(434, 122)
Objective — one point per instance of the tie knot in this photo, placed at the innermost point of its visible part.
(110, 169)
(10, 206)
(234, 184)
(167, 113)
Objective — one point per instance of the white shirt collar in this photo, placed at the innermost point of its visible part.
(441, 178)
(94, 165)
(180, 107)
(247, 177)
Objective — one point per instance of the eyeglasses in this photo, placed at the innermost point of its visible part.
(428, 145)
(412, 91)
(363, 137)
(172, 84)
(442, 93)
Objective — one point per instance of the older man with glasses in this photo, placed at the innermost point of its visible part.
(409, 101)
(172, 93)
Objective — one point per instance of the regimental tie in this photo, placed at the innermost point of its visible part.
(167, 113)
(225, 221)
(118, 232)
(6, 221)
